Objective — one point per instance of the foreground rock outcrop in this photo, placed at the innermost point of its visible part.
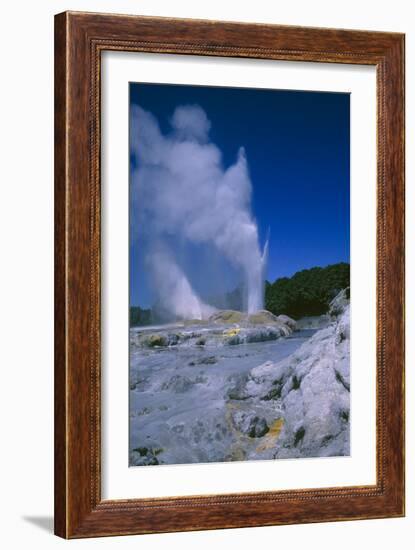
(307, 394)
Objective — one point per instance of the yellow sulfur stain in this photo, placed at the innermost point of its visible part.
(231, 332)
(271, 437)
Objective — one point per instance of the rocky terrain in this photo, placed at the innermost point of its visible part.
(241, 387)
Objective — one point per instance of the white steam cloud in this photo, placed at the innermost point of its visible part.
(181, 190)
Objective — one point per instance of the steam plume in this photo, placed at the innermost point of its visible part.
(182, 190)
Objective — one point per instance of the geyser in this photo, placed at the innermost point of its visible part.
(174, 290)
(182, 193)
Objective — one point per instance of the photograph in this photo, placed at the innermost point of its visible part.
(239, 274)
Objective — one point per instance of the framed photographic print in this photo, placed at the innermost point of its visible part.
(229, 276)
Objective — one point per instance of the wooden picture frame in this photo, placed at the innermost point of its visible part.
(79, 40)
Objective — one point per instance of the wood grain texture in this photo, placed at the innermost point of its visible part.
(60, 277)
(79, 40)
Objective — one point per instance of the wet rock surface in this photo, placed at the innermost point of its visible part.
(223, 328)
(225, 390)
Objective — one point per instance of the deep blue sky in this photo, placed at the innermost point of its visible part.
(297, 148)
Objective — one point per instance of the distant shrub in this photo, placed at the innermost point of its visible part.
(139, 316)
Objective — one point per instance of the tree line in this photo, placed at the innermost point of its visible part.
(307, 292)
